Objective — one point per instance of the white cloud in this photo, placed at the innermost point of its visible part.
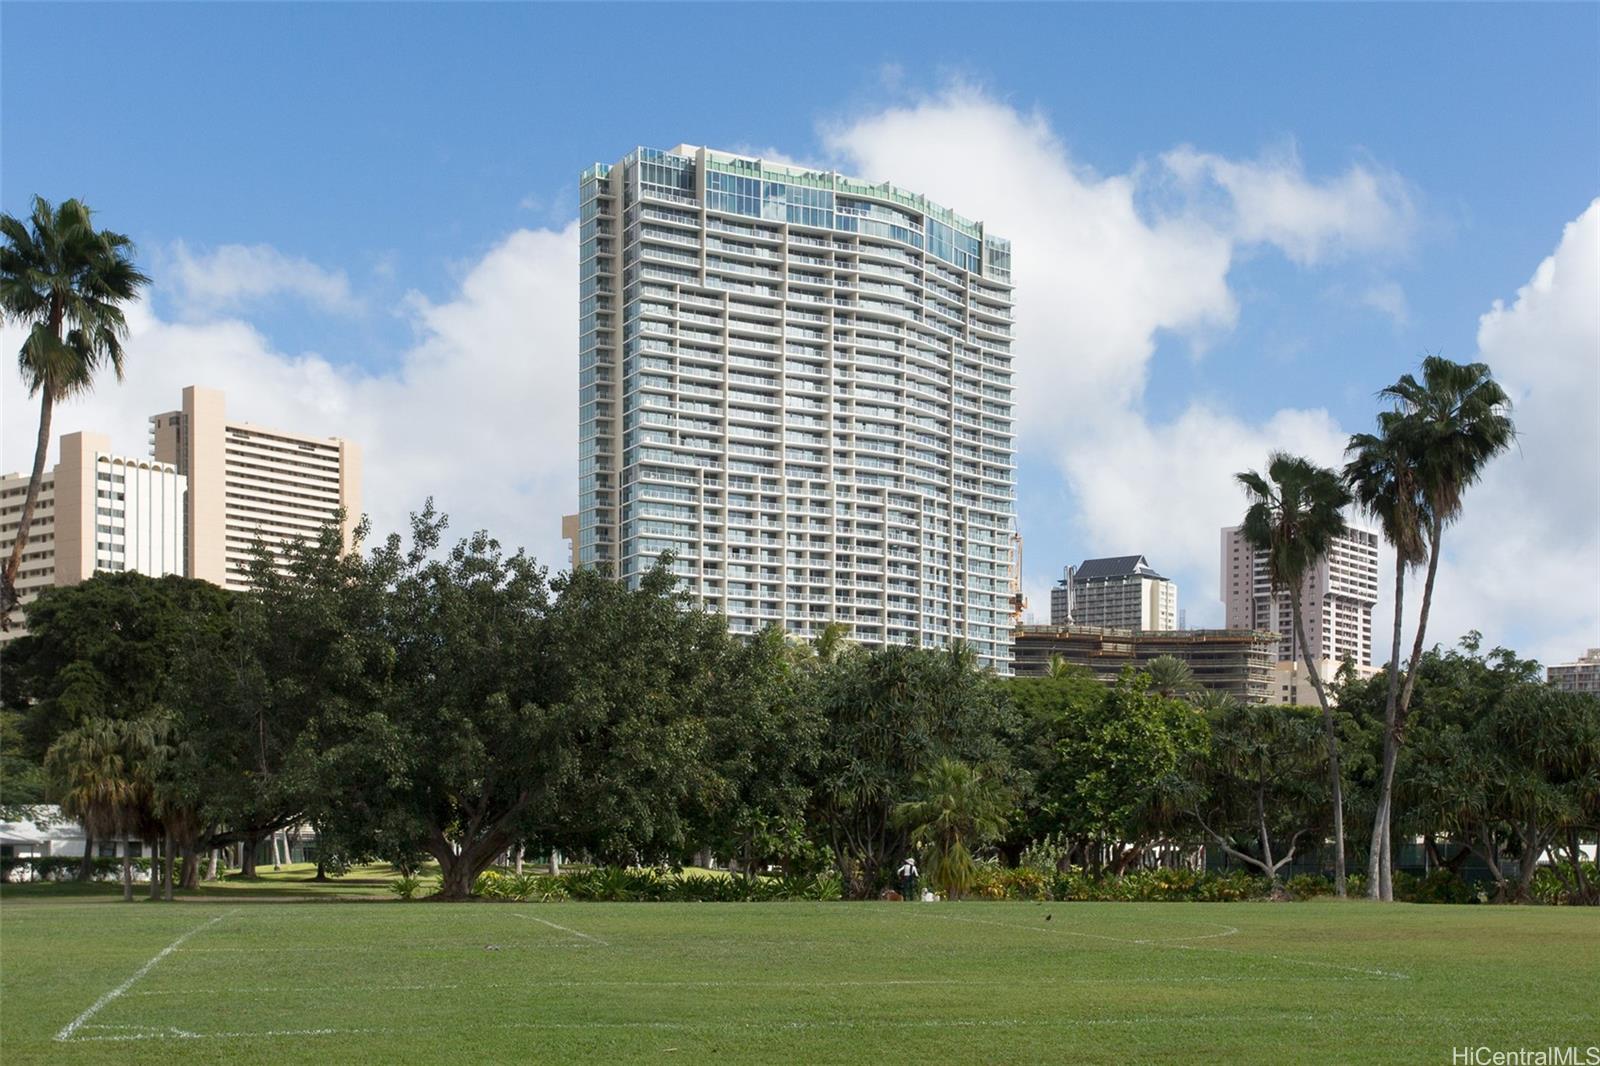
(236, 276)
(1388, 297)
(1271, 201)
(1099, 279)
(1096, 281)
(481, 412)
(1523, 565)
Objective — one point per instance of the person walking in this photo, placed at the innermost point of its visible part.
(908, 878)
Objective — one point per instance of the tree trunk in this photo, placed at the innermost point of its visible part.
(191, 867)
(1386, 870)
(86, 867)
(555, 863)
(211, 867)
(1435, 533)
(1532, 851)
(1379, 856)
(1335, 781)
(247, 855)
(1577, 865)
(166, 867)
(127, 869)
(155, 867)
(1266, 838)
(8, 577)
(519, 860)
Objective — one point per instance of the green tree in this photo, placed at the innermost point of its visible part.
(1295, 512)
(570, 714)
(63, 281)
(958, 808)
(1454, 421)
(1047, 711)
(888, 714)
(1259, 781)
(763, 742)
(1502, 763)
(104, 650)
(22, 778)
(1121, 775)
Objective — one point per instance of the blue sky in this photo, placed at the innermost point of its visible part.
(377, 160)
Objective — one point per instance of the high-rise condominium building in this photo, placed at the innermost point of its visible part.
(1123, 592)
(248, 482)
(800, 385)
(1580, 676)
(95, 511)
(1337, 597)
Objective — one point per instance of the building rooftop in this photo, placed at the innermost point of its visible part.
(1116, 566)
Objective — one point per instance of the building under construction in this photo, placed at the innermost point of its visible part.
(1236, 661)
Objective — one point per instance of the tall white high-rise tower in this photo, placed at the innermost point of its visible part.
(799, 384)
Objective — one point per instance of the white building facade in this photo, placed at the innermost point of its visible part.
(1337, 597)
(1121, 592)
(800, 385)
(96, 512)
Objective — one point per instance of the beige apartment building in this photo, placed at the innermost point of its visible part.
(1337, 597)
(1580, 676)
(96, 511)
(1292, 685)
(248, 482)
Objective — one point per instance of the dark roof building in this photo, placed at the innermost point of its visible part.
(1118, 592)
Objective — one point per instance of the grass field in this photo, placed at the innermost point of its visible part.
(247, 979)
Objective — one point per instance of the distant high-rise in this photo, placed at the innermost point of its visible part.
(248, 482)
(1121, 592)
(799, 384)
(96, 511)
(1580, 676)
(1337, 597)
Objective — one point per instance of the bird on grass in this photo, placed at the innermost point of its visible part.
(1047, 917)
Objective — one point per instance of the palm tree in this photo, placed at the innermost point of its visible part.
(1214, 701)
(959, 809)
(1170, 677)
(62, 280)
(98, 783)
(1295, 512)
(1455, 420)
(1059, 667)
(1382, 474)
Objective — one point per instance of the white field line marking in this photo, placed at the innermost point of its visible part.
(563, 928)
(174, 1033)
(1030, 982)
(104, 1001)
(1392, 975)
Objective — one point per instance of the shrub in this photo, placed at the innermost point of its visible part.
(405, 886)
(1025, 883)
(826, 887)
(1308, 886)
(1159, 885)
(1048, 855)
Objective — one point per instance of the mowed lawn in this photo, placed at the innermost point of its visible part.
(91, 980)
